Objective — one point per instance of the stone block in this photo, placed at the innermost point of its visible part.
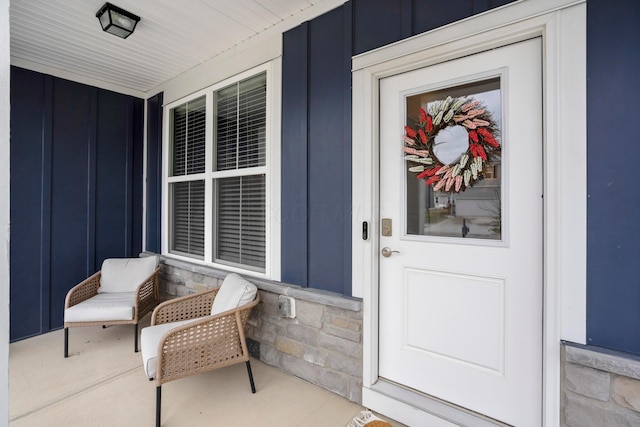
(182, 291)
(269, 355)
(334, 381)
(347, 365)
(303, 333)
(266, 333)
(300, 368)
(356, 315)
(269, 298)
(309, 314)
(269, 303)
(355, 391)
(344, 322)
(626, 392)
(340, 345)
(289, 346)
(587, 381)
(317, 356)
(199, 287)
(613, 363)
(584, 412)
(254, 348)
(348, 334)
(280, 324)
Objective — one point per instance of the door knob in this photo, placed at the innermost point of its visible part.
(387, 252)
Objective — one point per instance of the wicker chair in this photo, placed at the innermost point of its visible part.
(122, 292)
(198, 333)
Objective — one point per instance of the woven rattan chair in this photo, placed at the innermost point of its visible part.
(186, 339)
(122, 292)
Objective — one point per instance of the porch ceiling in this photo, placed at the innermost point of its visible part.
(171, 38)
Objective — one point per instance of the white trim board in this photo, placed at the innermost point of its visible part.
(562, 26)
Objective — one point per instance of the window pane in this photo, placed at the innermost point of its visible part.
(465, 201)
(241, 124)
(188, 138)
(187, 233)
(240, 227)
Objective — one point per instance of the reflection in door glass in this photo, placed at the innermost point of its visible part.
(452, 151)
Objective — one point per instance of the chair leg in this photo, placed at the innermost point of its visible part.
(135, 338)
(253, 386)
(158, 404)
(66, 342)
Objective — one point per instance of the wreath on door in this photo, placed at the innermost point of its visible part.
(455, 117)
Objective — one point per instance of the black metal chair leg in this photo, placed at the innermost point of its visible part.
(158, 403)
(66, 342)
(135, 338)
(253, 387)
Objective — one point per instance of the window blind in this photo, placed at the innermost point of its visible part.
(241, 124)
(188, 217)
(189, 141)
(240, 227)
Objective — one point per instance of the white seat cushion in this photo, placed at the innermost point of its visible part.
(149, 340)
(234, 292)
(105, 306)
(125, 274)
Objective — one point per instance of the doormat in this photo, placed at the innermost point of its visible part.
(366, 418)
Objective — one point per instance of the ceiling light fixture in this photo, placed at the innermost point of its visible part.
(117, 21)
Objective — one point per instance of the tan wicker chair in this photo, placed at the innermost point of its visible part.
(144, 300)
(194, 341)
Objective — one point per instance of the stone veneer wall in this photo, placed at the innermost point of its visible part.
(322, 344)
(600, 387)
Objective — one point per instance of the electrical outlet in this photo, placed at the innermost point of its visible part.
(286, 306)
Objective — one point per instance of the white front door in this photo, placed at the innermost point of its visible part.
(461, 274)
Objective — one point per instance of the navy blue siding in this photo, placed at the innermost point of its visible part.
(380, 22)
(294, 156)
(76, 164)
(117, 229)
(154, 174)
(28, 138)
(73, 132)
(329, 158)
(613, 230)
(135, 123)
(427, 15)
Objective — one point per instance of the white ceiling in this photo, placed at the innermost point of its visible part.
(65, 37)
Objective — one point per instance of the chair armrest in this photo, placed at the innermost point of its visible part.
(203, 345)
(83, 290)
(147, 294)
(184, 308)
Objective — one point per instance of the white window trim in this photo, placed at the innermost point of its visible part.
(562, 26)
(273, 71)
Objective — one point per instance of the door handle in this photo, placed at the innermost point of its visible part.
(387, 252)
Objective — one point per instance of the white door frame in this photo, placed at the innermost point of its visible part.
(562, 26)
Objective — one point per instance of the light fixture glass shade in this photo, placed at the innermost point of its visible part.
(117, 21)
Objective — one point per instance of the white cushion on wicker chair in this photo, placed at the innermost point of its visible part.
(234, 292)
(125, 274)
(105, 306)
(149, 340)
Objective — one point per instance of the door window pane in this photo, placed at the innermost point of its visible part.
(452, 149)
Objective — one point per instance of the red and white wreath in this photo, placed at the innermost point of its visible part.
(463, 114)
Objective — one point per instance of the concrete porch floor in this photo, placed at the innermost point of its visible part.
(102, 383)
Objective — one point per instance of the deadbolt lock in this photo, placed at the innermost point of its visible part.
(387, 229)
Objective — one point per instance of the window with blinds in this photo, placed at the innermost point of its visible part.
(187, 234)
(240, 129)
(188, 123)
(234, 182)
